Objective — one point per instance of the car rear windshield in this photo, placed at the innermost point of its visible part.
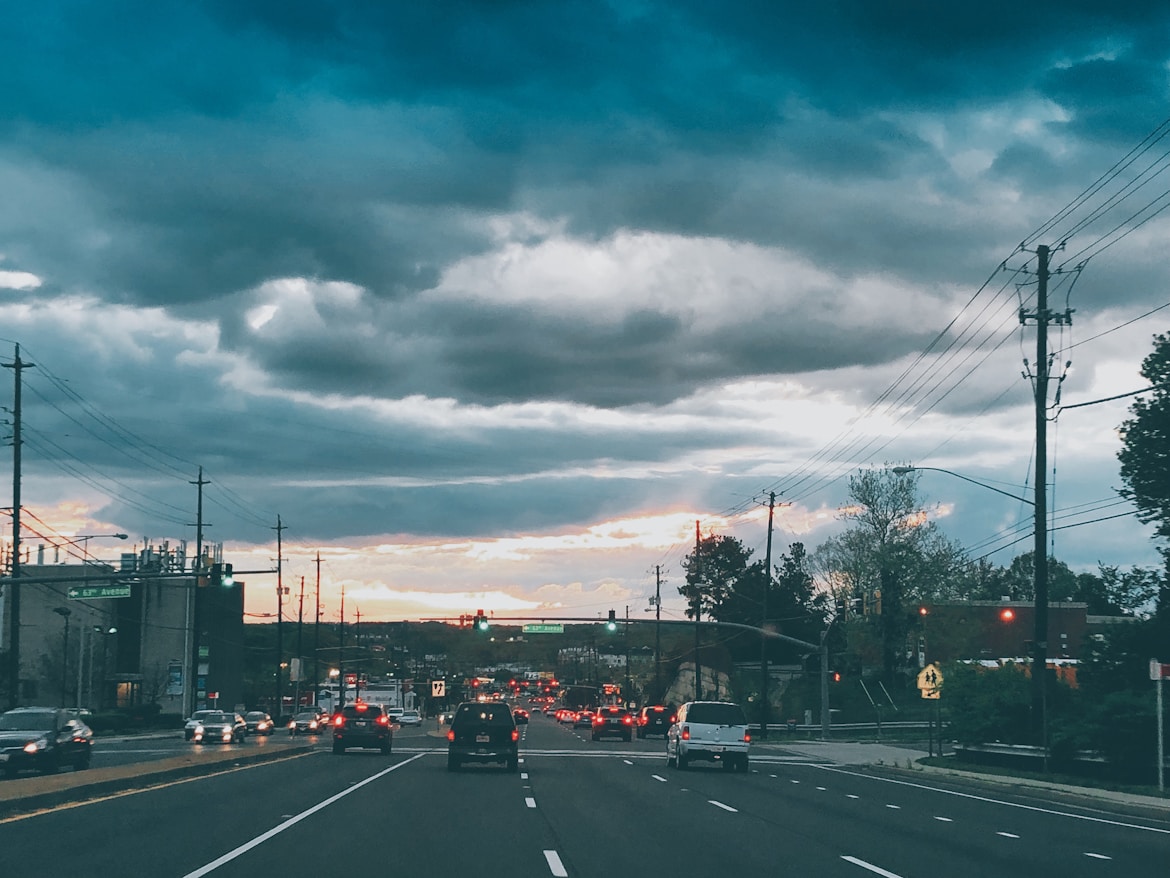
(362, 711)
(716, 714)
(486, 713)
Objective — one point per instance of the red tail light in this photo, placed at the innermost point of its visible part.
(383, 720)
(597, 720)
(747, 739)
(628, 720)
(450, 734)
(686, 733)
(339, 720)
(515, 735)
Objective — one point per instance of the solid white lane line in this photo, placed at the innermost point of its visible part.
(1008, 834)
(877, 870)
(530, 802)
(1097, 856)
(721, 805)
(281, 827)
(555, 865)
(944, 819)
(658, 777)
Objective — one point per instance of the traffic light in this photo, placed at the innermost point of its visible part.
(220, 576)
(481, 622)
(227, 580)
(836, 676)
(611, 624)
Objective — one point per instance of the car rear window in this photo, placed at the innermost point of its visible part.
(489, 713)
(716, 714)
(365, 710)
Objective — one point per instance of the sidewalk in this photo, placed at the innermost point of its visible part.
(905, 760)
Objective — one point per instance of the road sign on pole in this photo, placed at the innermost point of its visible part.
(94, 592)
(438, 688)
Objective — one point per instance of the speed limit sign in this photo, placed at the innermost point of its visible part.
(438, 688)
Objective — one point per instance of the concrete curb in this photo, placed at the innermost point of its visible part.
(22, 795)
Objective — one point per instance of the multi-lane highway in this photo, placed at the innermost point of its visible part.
(579, 808)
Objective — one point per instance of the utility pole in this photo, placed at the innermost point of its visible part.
(279, 616)
(191, 635)
(627, 638)
(317, 634)
(1043, 318)
(698, 613)
(658, 632)
(764, 623)
(341, 654)
(300, 651)
(17, 366)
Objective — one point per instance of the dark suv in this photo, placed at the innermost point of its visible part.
(654, 720)
(611, 720)
(483, 732)
(361, 725)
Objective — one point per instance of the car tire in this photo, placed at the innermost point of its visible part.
(671, 762)
(338, 749)
(627, 739)
(385, 748)
(743, 764)
(51, 765)
(453, 764)
(513, 765)
(84, 760)
(681, 759)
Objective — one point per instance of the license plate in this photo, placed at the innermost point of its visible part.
(360, 724)
(483, 739)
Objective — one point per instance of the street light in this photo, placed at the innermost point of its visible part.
(85, 538)
(64, 613)
(104, 632)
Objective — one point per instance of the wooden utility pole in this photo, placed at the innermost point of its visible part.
(1043, 318)
(764, 623)
(317, 634)
(279, 616)
(698, 613)
(17, 366)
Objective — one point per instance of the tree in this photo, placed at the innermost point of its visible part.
(718, 577)
(1145, 466)
(891, 557)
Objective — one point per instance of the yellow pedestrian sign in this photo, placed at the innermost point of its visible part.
(930, 680)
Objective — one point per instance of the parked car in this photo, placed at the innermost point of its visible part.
(711, 731)
(483, 732)
(307, 722)
(220, 727)
(43, 739)
(654, 719)
(194, 720)
(362, 725)
(259, 723)
(395, 713)
(610, 720)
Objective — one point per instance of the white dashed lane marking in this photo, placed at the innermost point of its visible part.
(1097, 856)
(1008, 834)
(877, 870)
(721, 805)
(658, 778)
(895, 807)
(944, 819)
(555, 865)
(530, 802)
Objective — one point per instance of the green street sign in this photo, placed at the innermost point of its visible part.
(542, 628)
(91, 592)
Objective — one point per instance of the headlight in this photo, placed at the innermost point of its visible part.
(293, 724)
(262, 726)
(227, 734)
(312, 724)
(199, 730)
(34, 746)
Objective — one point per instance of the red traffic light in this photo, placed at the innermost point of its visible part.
(836, 676)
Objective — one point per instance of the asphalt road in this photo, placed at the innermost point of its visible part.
(579, 808)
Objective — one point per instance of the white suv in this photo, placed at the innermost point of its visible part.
(714, 731)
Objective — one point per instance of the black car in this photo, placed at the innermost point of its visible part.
(307, 722)
(259, 723)
(610, 721)
(362, 725)
(483, 732)
(43, 739)
(654, 720)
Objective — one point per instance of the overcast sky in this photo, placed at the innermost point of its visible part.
(490, 301)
